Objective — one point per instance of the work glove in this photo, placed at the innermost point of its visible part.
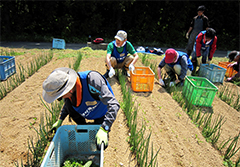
(88, 164)
(229, 79)
(56, 125)
(171, 84)
(187, 35)
(111, 72)
(230, 65)
(161, 82)
(199, 61)
(131, 67)
(102, 136)
(208, 62)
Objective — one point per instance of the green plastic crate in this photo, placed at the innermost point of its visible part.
(199, 91)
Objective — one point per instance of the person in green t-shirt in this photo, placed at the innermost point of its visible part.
(117, 55)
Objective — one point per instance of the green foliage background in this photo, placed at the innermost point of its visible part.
(158, 23)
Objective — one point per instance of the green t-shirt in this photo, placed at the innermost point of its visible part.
(129, 48)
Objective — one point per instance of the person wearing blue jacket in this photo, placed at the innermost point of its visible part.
(175, 63)
(118, 55)
(87, 95)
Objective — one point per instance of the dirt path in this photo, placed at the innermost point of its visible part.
(180, 140)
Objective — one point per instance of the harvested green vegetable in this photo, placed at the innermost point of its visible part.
(73, 162)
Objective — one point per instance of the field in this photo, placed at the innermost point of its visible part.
(181, 143)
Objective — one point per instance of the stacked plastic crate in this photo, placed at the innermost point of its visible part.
(7, 67)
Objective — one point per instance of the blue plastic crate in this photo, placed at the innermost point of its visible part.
(7, 67)
(212, 72)
(73, 141)
(58, 43)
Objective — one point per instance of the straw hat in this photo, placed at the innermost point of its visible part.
(58, 83)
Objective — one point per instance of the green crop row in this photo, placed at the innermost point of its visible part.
(211, 128)
(18, 78)
(37, 151)
(138, 143)
(226, 94)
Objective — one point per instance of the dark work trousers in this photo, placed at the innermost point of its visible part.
(73, 114)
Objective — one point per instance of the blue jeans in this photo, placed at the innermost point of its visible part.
(204, 53)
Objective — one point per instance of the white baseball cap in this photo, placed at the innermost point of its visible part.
(58, 83)
(121, 35)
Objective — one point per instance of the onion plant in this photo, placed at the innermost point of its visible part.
(15, 80)
(138, 143)
(10, 52)
(211, 129)
(37, 150)
(226, 95)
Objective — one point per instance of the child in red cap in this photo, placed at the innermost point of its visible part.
(175, 62)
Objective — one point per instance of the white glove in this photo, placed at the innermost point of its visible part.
(187, 35)
(131, 67)
(171, 83)
(161, 82)
(111, 72)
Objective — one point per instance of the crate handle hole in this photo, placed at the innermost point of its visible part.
(82, 130)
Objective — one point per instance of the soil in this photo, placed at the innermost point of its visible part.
(180, 141)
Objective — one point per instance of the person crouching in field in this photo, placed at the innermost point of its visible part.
(234, 56)
(117, 55)
(175, 62)
(87, 95)
(204, 48)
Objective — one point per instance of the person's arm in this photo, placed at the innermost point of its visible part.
(213, 48)
(98, 83)
(160, 66)
(135, 58)
(235, 76)
(198, 44)
(132, 51)
(108, 57)
(184, 68)
(189, 30)
(232, 64)
(64, 112)
(109, 53)
(205, 22)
